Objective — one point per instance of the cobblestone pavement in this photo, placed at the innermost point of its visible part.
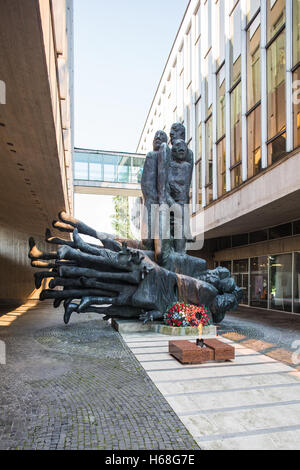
(275, 334)
(78, 387)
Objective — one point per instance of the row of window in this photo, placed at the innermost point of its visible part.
(276, 100)
(115, 168)
(271, 282)
(208, 82)
(272, 233)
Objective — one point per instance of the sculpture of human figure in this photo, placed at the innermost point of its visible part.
(178, 193)
(162, 242)
(149, 184)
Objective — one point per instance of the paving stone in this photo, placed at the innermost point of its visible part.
(79, 387)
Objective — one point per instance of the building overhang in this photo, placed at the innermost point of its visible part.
(34, 183)
(272, 198)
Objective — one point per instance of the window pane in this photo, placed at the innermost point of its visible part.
(277, 149)
(236, 176)
(199, 181)
(236, 136)
(275, 17)
(297, 283)
(209, 194)
(240, 239)
(259, 282)
(296, 78)
(296, 227)
(259, 236)
(296, 31)
(221, 103)
(253, 63)
(109, 168)
(235, 36)
(251, 8)
(254, 142)
(209, 149)
(225, 264)
(95, 167)
(81, 170)
(280, 231)
(198, 131)
(221, 155)
(281, 282)
(240, 266)
(276, 86)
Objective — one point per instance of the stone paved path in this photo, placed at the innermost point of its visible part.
(78, 387)
(251, 403)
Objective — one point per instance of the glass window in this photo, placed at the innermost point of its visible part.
(221, 103)
(225, 264)
(253, 63)
(198, 131)
(81, 170)
(236, 134)
(209, 161)
(296, 31)
(259, 236)
(221, 155)
(199, 181)
(276, 97)
(240, 239)
(236, 176)
(109, 168)
(136, 169)
(281, 282)
(251, 8)
(296, 100)
(241, 277)
(223, 243)
(254, 142)
(297, 283)
(95, 167)
(275, 17)
(280, 231)
(81, 166)
(259, 282)
(236, 41)
(220, 21)
(296, 227)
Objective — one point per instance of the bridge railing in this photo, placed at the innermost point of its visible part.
(111, 167)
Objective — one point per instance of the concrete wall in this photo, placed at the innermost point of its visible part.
(16, 273)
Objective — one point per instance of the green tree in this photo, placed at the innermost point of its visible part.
(121, 218)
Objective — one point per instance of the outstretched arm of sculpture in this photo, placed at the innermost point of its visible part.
(128, 281)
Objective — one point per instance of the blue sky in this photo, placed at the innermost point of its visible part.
(121, 47)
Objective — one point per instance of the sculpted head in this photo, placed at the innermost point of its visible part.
(177, 132)
(179, 150)
(159, 138)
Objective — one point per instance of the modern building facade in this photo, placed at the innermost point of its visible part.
(233, 79)
(36, 124)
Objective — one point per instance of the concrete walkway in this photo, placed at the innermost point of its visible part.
(252, 402)
(77, 387)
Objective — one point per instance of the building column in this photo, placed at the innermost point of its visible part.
(289, 76)
(244, 91)
(264, 89)
(227, 95)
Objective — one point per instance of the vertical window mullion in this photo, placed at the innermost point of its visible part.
(263, 71)
(244, 91)
(289, 76)
(227, 95)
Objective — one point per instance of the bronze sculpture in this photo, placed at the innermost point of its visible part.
(129, 279)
